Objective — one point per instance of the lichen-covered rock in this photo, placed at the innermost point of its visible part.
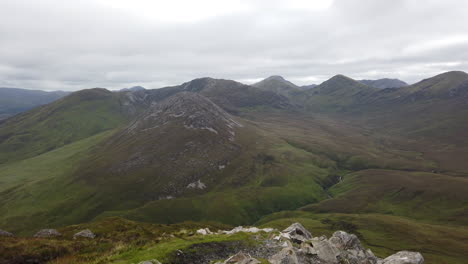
(241, 258)
(5, 233)
(404, 257)
(345, 241)
(297, 233)
(286, 256)
(84, 233)
(47, 233)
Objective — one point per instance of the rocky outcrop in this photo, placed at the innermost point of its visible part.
(297, 233)
(296, 245)
(43, 233)
(84, 234)
(5, 233)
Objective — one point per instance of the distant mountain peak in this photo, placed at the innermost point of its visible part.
(276, 77)
(341, 77)
(278, 85)
(134, 88)
(384, 83)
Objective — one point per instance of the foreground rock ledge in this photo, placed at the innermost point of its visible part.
(296, 245)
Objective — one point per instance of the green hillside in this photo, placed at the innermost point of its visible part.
(77, 116)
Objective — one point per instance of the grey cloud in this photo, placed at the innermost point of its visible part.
(71, 45)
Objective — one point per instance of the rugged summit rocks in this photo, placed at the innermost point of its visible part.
(193, 110)
(340, 248)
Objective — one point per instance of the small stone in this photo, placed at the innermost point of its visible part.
(241, 258)
(5, 233)
(84, 233)
(47, 233)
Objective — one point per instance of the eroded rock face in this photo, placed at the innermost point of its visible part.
(43, 233)
(404, 257)
(5, 233)
(85, 234)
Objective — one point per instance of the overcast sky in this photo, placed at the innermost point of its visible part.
(71, 45)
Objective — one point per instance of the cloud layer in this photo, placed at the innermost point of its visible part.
(70, 45)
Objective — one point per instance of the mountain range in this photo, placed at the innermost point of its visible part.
(382, 159)
(14, 100)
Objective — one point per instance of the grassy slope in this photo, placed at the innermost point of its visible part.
(32, 188)
(77, 116)
(428, 197)
(282, 177)
(117, 241)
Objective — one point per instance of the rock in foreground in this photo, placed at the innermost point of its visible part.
(404, 257)
(296, 245)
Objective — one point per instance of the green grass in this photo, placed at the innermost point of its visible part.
(32, 188)
(288, 181)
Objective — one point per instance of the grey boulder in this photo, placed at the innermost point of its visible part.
(286, 256)
(85, 234)
(47, 233)
(404, 257)
(297, 233)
